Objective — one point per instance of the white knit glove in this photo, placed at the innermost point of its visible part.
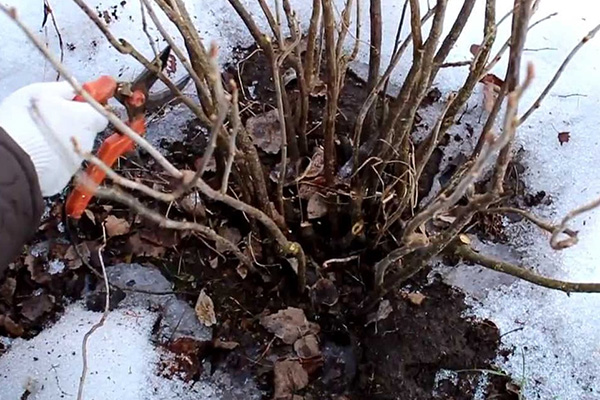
(64, 117)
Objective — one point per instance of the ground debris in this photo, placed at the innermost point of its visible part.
(289, 325)
(289, 378)
(205, 309)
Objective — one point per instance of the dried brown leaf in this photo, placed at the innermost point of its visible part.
(305, 192)
(35, 307)
(316, 165)
(116, 226)
(193, 205)
(383, 311)
(316, 207)
(73, 260)
(229, 233)
(140, 247)
(265, 131)
(7, 290)
(288, 325)
(36, 270)
(242, 271)
(416, 298)
(307, 347)
(205, 309)
(324, 292)
(225, 345)
(319, 88)
(10, 326)
(289, 378)
(564, 137)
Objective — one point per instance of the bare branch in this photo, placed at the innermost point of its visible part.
(563, 244)
(144, 212)
(470, 255)
(563, 66)
(506, 45)
(451, 37)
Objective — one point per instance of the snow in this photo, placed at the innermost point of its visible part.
(555, 335)
(49, 366)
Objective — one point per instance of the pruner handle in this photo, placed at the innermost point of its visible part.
(111, 149)
(102, 89)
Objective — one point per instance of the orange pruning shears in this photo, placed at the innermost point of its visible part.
(137, 101)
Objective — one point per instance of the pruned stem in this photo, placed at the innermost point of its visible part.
(468, 254)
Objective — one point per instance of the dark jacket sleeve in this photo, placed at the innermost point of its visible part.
(21, 202)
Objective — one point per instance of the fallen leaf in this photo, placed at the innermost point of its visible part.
(383, 311)
(289, 325)
(316, 207)
(307, 347)
(140, 247)
(319, 88)
(36, 270)
(225, 345)
(10, 326)
(229, 233)
(491, 88)
(564, 137)
(192, 204)
(211, 166)
(493, 79)
(265, 131)
(90, 215)
(289, 378)
(72, 258)
(186, 360)
(7, 290)
(205, 309)
(290, 173)
(35, 307)
(289, 76)
(416, 298)
(315, 166)
(324, 292)
(161, 236)
(305, 192)
(116, 226)
(242, 271)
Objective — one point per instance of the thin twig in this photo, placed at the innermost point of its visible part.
(563, 66)
(58, 34)
(98, 324)
(145, 28)
(234, 117)
(541, 223)
(563, 244)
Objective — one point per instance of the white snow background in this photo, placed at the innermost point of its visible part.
(556, 336)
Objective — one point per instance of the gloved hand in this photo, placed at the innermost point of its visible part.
(65, 118)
